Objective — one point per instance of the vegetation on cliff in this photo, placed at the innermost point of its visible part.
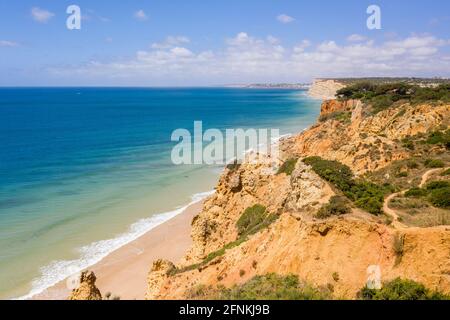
(337, 205)
(265, 287)
(288, 166)
(252, 220)
(366, 195)
(383, 96)
(402, 289)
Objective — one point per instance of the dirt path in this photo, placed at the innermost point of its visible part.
(390, 212)
(426, 175)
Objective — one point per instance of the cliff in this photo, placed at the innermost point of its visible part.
(324, 89)
(334, 252)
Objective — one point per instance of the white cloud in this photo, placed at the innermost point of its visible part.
(41, 15)
(6, 43)
(171, 41)
(284, 18)
(246, 59)
(356, 38)
(140, 15)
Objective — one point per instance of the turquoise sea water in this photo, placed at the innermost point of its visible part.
(85, 170)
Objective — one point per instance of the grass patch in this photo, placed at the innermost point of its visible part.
(445, 173)
(341, 116)
(337, 205)
(402, 289)
(434, 163)
(250, 218)
(288, 166)
(366, 195)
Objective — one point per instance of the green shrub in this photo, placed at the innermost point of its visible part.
(437, 185)
(439, 137)
(288, 166)
(408, 143)
(366, 195)
(342, 116)
(400, 289)
(415, 193)
(332, 171)
(440, 197)
(337, 205)
(273, 287)
(251, 217)
(412, 164)
(402, 174)
(434, 163)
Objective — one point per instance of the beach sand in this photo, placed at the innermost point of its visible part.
(124, 272)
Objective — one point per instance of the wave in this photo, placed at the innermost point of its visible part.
(91, 254)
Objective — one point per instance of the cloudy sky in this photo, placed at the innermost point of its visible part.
(198, 42)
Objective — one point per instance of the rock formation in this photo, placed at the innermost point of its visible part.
(87, 289)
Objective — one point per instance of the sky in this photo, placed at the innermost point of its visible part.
(202, 43)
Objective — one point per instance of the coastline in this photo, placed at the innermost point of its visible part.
(124, 271)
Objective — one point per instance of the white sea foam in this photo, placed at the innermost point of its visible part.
(91, 254)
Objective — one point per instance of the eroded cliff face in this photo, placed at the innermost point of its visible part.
(298, 243)
(365, 143)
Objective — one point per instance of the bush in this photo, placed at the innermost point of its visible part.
(434, 163)
(440, 197)
(412, 164)
(332, 171)
(400, 289)
(366, 195)
(337, 205)
(439, 137)
(402, 174)
(273, 287)
(415, 193)
(251, 217)
(342, 116)
(288, 166)
(437, 185)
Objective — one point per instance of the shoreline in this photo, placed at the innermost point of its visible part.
(136, 256)
(123, 271)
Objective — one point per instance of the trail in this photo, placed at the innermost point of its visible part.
(390, 212)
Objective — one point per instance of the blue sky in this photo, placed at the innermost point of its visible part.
(172, 42)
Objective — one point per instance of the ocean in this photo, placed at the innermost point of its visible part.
(84, 171)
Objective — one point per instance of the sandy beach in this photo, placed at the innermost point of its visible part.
(123, 273)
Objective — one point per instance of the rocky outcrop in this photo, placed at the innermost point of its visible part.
(87, 289)
(324, 89)
(332, 106)
(156, 278)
